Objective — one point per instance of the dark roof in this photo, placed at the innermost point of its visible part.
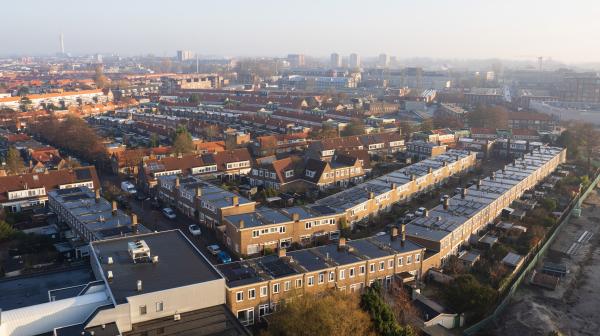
(180, 264)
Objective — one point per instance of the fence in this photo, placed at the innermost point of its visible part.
(563, 220)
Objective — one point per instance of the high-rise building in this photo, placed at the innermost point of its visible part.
(184, 55)
(296, 60)
(336, 61)
(384, 60)
(62, 44)
(354, 61)
(584, 87)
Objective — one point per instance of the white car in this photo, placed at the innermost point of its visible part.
(195, 230)
(420, 211)
(213, 249)
(169, 213)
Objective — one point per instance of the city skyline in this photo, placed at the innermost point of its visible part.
(461, 30)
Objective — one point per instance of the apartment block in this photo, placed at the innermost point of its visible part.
(255, 287)
(445, 228)
(420, 150)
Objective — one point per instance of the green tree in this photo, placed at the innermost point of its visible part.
(23, 91)
(332, 313)
(466, 295)
(382, 316)
(568, 140)
(154, 140)
(355, 127)
(489, 117)
(6, 231)
(25, 104)
(14, 161)
(194, 99)
(406, 130)
(426, 125)
(99, 77)
(182, 142)
(589, 139)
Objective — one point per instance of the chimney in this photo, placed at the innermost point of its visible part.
(296, 217)
(139, 285)
(235, 201)
(341, 243)
(426, 213)
(281, 252)
(198, 191)
(114, 208)
(493, 176)
(446, 203)
(134, 224)
(394, 233)
(514, 162)
(478, 184)
(109, 275)
(430, 170)
(394, 185)
(413, 177)
(241, 224)
(371, 195)
(444, 163)
(463, 193)
(403, 233)
(97, 195)
(177, 185)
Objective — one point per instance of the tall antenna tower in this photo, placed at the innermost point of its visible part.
(197, 64)
(540, 63)
(62, 44)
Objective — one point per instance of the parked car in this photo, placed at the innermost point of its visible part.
(420, 211)
(128, 187)
(223, 257)
(408, 217)
(213, 249)
(169, 213)
(195, 230)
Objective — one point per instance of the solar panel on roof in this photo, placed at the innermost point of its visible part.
(277, 268)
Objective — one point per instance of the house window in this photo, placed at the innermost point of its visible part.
(251, 294)
(263, 310)
(289, 173)
(391, 263)
(239, 296)
(417, 258)
(287, 286)
(255, 233)
(351, 272)
(408, 260)
(275, 288)
(371, 268)
(308, 225)
(381, 265)
(263, 291)
(298, 283)
(143, 310)
(321, 278)
(311, 280)
(342, 274)
(400, 261)
(361, 270)
(160, 306)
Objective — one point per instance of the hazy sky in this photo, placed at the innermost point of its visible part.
(514, 29)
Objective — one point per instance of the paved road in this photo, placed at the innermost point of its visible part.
(154, 220)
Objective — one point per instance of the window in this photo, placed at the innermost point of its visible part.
(361, 270)
(400, 261)
(289, 173)
(321, 278)
(351, 272)
(298, 283)
(417, 258)
(143, 310)
(381, 265)
(391, 263)
(308, 225)
(275, 288)
(251, 294)
(282, 229)
(263, 291)
(239, 296)
(255, 233)
(263, 310)
(311, 280)
(408, 260)
(371, 268)
(342, 274)
(331, 276)
(287, 286)
(160, 306)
